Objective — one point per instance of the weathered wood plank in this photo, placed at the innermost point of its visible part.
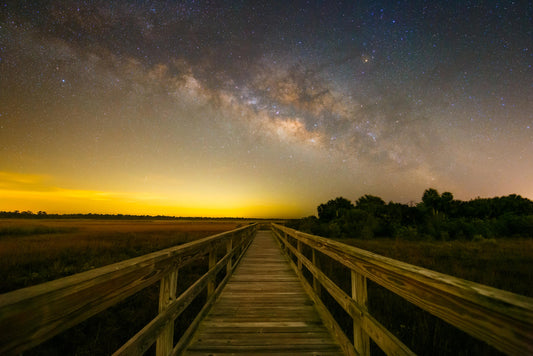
(277, 340)
(262, 327)
(263, 310)
(275, 349)
(267, 353)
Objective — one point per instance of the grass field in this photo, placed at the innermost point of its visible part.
(36, 251)
(501, 263)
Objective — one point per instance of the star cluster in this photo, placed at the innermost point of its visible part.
(258, 108)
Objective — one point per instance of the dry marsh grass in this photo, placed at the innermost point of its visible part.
(501, 263)
(33, 252)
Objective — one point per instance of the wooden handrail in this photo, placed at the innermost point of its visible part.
(500, 318)
(32, 315)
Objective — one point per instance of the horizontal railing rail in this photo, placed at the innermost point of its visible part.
(500, 318)
(32, 315)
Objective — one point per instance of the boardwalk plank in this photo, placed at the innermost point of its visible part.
(263, 311)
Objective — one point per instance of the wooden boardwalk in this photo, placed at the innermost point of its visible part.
(263, 310)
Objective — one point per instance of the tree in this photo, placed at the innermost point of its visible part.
(309, 224)
(371, 204)
(431, 200)
(446, 200)
(334, 209)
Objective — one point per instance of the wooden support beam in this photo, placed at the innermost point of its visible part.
(229, 247)
(299, 248)
(212, 262)
(316, 283)
(167, 294)
(361, 340)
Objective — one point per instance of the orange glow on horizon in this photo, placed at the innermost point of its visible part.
(35, 193)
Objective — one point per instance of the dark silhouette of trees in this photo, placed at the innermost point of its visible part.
(43, 215)
(431, 200)
(371, 204)
(438, 216)
(446, 203)
(334, 209)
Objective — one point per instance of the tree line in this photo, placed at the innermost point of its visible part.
(437, 216)
(43, 215)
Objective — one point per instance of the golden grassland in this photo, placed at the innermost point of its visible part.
(501, 263)
(35, 251)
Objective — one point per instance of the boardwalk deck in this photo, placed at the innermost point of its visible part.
(263, 311)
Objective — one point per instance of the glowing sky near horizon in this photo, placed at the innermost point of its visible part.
(261, 109)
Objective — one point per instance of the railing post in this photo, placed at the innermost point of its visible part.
(243, 238)
(316, 285)
(167, 294)
(212, 263)
(361, 341)
(299, 247)
(229, 247)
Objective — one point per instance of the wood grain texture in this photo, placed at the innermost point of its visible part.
(238, 253)
(328, 319)
(389, 343)
(263, 310)
(167, 295)
(500, 318)
(139, 343)
(360, 295)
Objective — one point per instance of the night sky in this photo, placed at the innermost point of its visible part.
(261, 109)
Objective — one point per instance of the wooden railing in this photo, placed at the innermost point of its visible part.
(30, 316)
(502, 319)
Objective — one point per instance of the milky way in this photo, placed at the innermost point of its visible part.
(261, 109)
